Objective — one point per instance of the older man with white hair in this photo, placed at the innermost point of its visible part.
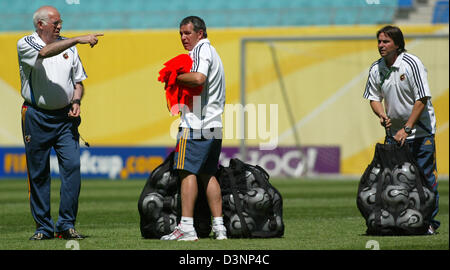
(51, 74)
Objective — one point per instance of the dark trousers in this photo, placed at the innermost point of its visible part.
(42, 131)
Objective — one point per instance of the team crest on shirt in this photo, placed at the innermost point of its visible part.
(65, 55)
(27, 138)
(402, 77)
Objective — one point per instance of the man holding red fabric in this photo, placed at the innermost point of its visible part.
(178, 95)
(199, 139)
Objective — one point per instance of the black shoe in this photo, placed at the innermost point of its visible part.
(70, 234)
(40, 236)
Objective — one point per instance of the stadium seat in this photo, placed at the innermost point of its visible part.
(251, 4)
(170, 5)
(406, 4)
(440, 12)
(220, 13)
(318, 18)
(348, 15)
(17, 7)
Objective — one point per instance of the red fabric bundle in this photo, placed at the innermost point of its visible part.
(177, 95)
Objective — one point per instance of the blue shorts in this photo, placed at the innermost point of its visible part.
(198, 151)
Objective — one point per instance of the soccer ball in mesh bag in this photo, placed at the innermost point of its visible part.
(272, 224)
(236, 228)
(152, 205)
(404, 175)
(250, 180)
(374, 172)
(231, 202)
(367, 197)
(409, 219)
(414, 199)
(161, 225)
(395, 198)
(258, 200)
(163, 181)
(276, 198)
(166, 183)
(387, 176)
(386, 219)
(175, 203)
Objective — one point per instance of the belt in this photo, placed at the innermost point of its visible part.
(64, 110)
(198, 130)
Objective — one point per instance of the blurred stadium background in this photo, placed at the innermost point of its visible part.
(322, 73)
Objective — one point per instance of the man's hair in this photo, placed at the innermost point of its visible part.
(40, 15)
(396, 34)
(197, 22)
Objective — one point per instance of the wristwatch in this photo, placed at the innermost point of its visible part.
(76, 101)
(407, 130)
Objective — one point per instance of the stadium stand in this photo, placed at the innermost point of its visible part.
(422, 12)
(143, 14)
(441, 11)
(405, 4)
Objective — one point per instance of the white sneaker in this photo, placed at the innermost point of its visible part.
(180, 235)
(431, 231)
(220, 232)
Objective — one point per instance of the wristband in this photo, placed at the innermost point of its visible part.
(76, 101)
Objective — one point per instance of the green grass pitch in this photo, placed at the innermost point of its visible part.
(318, 215)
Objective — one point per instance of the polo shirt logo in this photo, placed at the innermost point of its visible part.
(65, 55)
(402, 77)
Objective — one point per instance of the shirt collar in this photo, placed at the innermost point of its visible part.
(38, 38)
(398, 61)
(36, 35)
(201, 41)
(396, 64)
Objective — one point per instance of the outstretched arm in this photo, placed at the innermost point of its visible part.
(59, 46)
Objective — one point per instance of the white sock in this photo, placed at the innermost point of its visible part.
(187, 223)
(217, 221)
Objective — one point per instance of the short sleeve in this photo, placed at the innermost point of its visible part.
(417, 77)
(372, 90)
(202, 59)
(28, 50)
(78, 72)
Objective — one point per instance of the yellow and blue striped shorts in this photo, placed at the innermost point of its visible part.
(197, 153)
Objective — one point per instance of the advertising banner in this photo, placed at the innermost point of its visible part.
(139, 162)
(290, 161)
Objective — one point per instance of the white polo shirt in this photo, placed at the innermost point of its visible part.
(400, 89)
(208, 107)
(48, 82)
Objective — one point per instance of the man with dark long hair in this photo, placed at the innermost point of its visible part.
(400, 79)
